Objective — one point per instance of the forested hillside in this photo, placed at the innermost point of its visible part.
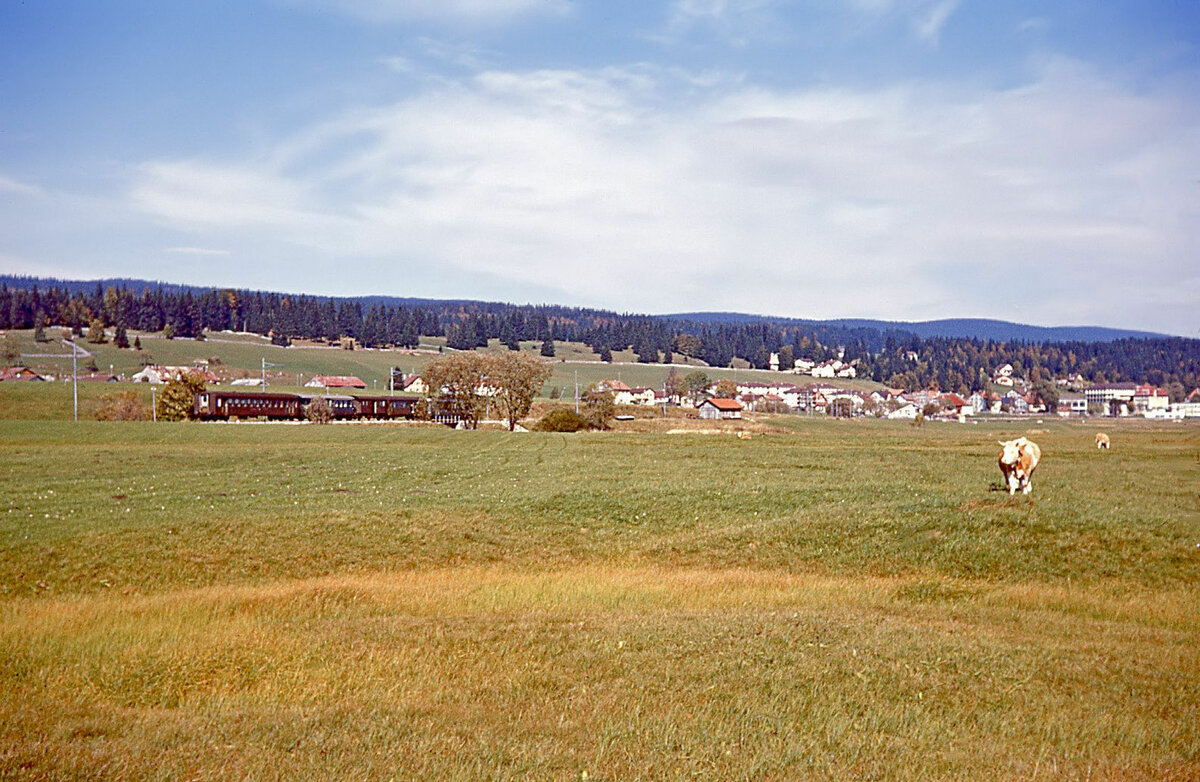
(895, 357)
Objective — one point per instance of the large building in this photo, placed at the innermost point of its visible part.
(1112, 398)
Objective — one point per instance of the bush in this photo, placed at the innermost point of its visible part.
(319, 411)
(561, 419)
(123, 406)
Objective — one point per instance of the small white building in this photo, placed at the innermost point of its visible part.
(908, 412)
(719, 409)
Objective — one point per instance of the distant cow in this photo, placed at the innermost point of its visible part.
(1102, 441)
(1018, 459)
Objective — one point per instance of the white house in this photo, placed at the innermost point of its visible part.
(1072, 404)
(717, 409)
(909, 412)
(413, 384)
(1148, 397)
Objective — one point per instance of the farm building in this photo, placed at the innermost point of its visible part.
(163, 374)
(714, 409)
(335, 381)
(19, 373)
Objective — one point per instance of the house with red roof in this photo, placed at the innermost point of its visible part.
(335, 381)
(19, 373)
(719, 409)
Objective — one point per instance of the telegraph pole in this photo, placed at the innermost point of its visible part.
(75, 380)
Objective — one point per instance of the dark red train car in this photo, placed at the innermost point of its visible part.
(342, 407)
(386, 407)
(223, 405)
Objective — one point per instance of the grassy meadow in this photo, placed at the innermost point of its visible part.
(828, 600)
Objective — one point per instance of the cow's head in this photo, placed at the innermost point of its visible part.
(1011, 452)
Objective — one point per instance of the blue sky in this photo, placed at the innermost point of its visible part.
(900, 159)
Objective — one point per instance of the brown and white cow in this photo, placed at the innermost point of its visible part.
(1102, 441)
(1018, 459)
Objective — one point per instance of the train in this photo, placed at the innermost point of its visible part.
(210, 405)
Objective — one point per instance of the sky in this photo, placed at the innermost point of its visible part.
(896, 159)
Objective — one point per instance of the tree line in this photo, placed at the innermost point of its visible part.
(894, 357)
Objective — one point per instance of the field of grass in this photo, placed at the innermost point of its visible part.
(835, 600)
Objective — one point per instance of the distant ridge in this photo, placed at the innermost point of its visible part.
(965, 328)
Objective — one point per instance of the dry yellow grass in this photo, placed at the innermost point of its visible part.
(618, 672)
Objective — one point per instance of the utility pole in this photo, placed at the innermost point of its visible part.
(75, 380)
(576, 392)
(153, 404)
(264, 373)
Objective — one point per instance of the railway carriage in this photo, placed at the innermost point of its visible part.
(385, 407)
(223, 405)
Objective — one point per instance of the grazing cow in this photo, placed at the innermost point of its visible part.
(1102, 441)
(1018, 459)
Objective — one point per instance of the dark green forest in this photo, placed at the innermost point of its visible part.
(892, 356)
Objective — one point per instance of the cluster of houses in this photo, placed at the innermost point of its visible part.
(1115, 399)
(806, 366)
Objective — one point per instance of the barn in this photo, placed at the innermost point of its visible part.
(714, 409)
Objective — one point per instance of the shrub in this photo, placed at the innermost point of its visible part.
(123, 406)
(319, 411)
(561, 419)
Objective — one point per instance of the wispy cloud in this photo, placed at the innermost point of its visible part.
(9, 185)
(738, 22)
(817, 202)
(930, 21)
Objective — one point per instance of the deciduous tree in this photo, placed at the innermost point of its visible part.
(599, 406)
(696, 383)
(514, 379)
(95, 333)
(455, 382)
(176, 400)
(725, 389)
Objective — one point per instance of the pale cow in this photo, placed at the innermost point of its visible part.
(1102, 441)
(1018, 459)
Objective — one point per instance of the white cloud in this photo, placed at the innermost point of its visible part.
(1053, 200)
(9, 185)
(929, 24)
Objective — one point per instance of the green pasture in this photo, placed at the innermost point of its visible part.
(836, 600)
